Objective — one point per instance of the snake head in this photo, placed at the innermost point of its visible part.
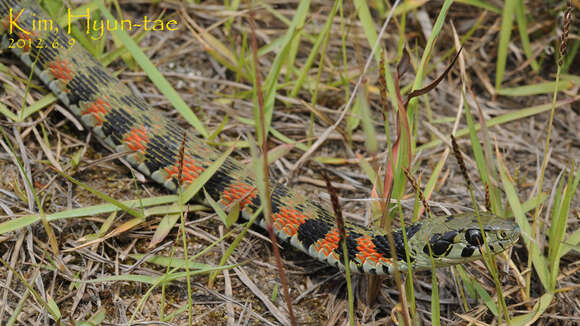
(457, 239)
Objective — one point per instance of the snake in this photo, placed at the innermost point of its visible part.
(174, 157)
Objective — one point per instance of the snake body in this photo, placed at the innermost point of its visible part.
(128, 124)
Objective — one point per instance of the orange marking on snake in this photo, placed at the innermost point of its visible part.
(98, 108)
(367, 250)
(242, 192)
(12, 22)
(61, 70)
(137, 139)
(5, 22)
(190, 171)
(330, 242)
(27, 39)
(289, 219)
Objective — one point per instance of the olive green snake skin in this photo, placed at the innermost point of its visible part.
(128, 124)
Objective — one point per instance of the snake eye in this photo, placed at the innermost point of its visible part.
(502, 234)
(473, 236)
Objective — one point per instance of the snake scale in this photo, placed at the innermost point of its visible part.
(128, 124)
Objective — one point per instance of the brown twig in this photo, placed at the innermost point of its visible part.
(460, 160)
(433, 84)
(181, 159)
(565, 31)
(383, 86)
(267, 203)
(417, 190)
(342, 232)
(487, 198)
(402, 125)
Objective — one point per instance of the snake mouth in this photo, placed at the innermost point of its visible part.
(504, 240)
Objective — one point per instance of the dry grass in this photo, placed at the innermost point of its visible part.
(215, 81)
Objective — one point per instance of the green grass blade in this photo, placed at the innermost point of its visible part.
(570, 243)
(487, 299)
(505, 118)
(7, 113)
(56, 314)
(314, 51)
(163, 228)
(524, 36)
(418, 82)
(230, 250)
(156, 77)
(156, 280)
(97, 318)
(103, 196)
(574, 78)
(171, 262)
(38, 105)
(481, 4)
(24, 221)
(432, 181)
(217, 209)
(507, 19)
(536, 312)
(204, 177)
(435, 305)
(539, 262)
(271, 82)
(367, 124)
(559, 222)
(480, 160)
(536, 89)
(365, 18)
